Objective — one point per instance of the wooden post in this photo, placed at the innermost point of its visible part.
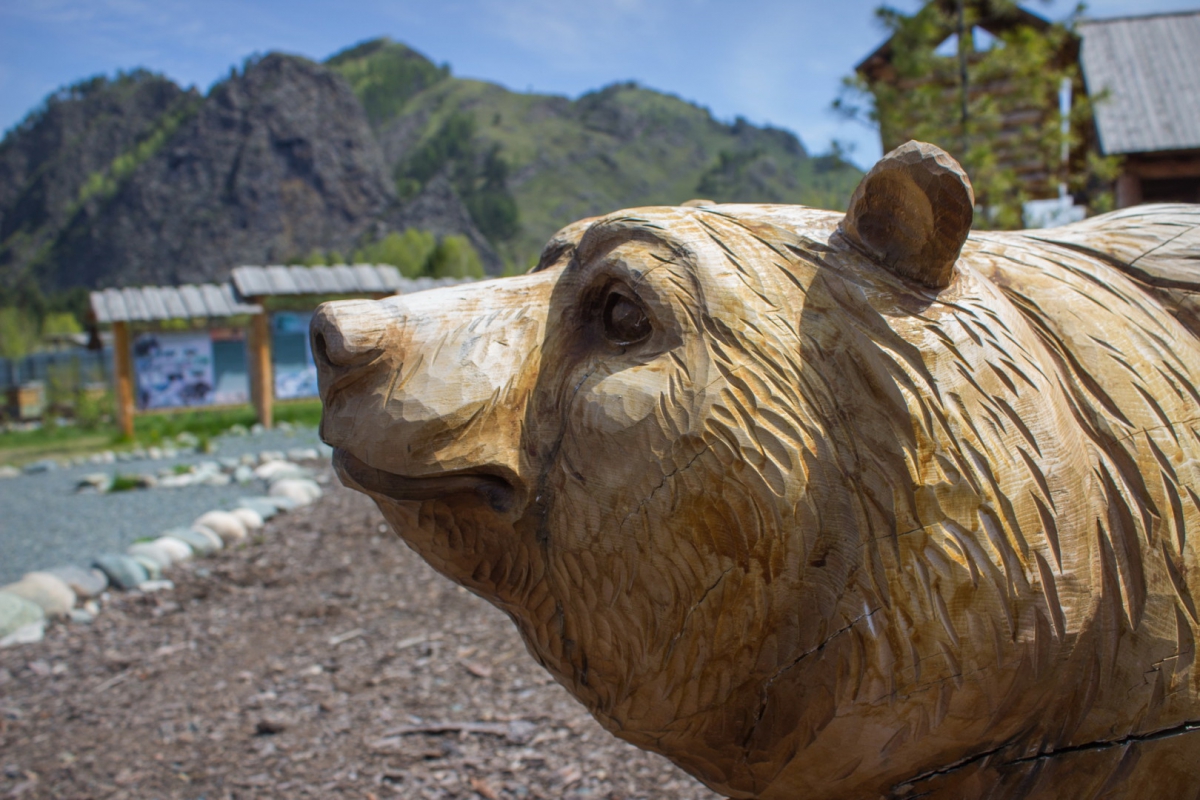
(1129, 189)
(262, 377)
(123, 377)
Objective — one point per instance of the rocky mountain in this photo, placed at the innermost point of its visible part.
(276, 160)
(54, 161)
(133, 180)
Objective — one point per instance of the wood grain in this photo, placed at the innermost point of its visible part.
(811, 519)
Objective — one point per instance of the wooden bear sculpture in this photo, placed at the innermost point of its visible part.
(820, 505)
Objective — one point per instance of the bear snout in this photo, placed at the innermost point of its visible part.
(428, 391)
(346, 336)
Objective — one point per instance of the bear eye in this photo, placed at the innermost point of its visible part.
(624, 320)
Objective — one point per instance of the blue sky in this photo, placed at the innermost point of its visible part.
(771, 61)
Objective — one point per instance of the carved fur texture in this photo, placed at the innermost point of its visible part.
(823, 531)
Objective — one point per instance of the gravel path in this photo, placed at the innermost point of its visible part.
(44, 523)
(322, 659)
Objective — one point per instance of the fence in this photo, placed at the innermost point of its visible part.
(71, 383)
(67, 371)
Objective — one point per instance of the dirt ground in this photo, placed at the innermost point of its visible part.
(323, 659)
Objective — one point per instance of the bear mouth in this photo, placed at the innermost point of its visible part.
(357, 474)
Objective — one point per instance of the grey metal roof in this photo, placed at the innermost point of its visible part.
(153, 303)
(1150, 67)
(341, 279)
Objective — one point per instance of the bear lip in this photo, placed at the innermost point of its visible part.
(495, 491)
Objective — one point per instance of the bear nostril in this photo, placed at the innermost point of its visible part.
(319, 348)
(348, 334)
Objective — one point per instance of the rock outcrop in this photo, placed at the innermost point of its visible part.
(278, 161)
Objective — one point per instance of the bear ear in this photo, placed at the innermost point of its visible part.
(912, 213)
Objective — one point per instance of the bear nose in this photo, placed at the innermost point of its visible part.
(345, 336)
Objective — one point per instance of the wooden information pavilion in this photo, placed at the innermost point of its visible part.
(253, 294)
(149, 308)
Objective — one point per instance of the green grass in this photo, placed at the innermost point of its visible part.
(124, 483)
(20, 447)
(155, 428)
(299, 412)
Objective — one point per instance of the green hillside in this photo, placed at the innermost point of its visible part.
(527, 164)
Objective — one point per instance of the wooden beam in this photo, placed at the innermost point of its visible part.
(262, 377)
(1173, 167)
(123, 377)
(1129, 190)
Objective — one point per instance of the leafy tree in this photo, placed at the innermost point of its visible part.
(418, 253)
(481, 180)
(18, 332)
(409, 251)
(316, 258)
(75, 301)
(729, 171)
(28, 313)
(491, 205)
(451, 143)
(385, 74)
(58, 323)
(987, 123)
(455, 258)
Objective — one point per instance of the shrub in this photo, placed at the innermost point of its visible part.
(409, 251)
(455, 258)
(124, 483)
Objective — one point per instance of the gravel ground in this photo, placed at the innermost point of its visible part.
(322, 660)
(44, 523)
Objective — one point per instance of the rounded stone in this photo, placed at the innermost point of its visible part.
(226, 525)
(49, 592)
(164, 550)
(122, 570)
(18, 618)
(302, 492)
(203, 541)
(177, 550)
(249, 517)
(265, 507)
(153, 568)
(277, 470)
(147, 551)
(84, 582)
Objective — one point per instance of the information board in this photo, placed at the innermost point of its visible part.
(173, 369)
(295, 370)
